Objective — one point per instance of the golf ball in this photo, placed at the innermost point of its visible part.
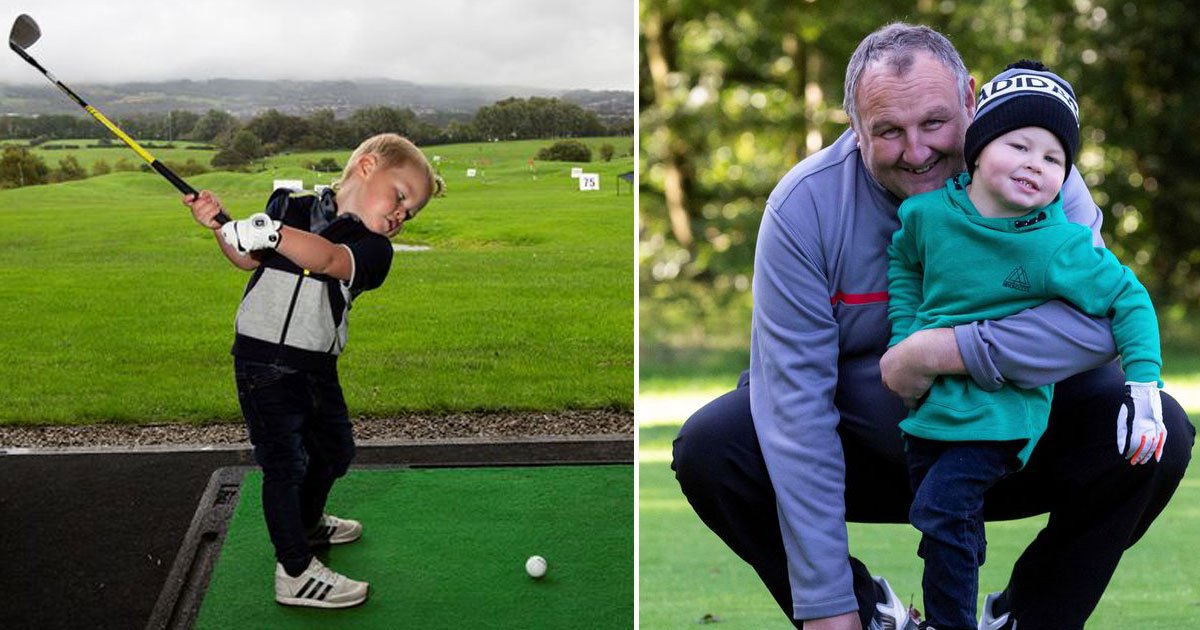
(535, 566)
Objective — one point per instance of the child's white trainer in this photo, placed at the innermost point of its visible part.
(331, 530)
(319, 587)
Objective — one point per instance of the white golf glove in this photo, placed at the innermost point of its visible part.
(248, 235)
(1140, 429)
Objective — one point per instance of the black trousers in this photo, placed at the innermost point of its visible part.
(302, 437)
(1099, 505)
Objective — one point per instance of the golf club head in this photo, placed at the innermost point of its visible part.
(24, 32)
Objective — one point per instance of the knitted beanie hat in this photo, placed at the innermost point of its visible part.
(1026, 94)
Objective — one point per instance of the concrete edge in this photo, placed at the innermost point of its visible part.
(183, 592)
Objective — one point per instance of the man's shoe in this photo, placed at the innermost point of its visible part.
(319, 587)
(891, 613)
(331, 530)
(991, 621)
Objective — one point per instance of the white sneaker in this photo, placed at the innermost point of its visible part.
(891, 614)
(989, 622)
(319, 587)
(331, 530)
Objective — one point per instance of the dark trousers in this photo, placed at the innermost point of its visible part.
(1099, 505)
(302, 439)
(949, 480)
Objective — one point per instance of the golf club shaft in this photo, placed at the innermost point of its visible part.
(158, 166)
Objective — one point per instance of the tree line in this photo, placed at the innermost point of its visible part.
(273, 131)
(732, 96)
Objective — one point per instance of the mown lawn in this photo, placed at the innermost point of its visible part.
(118, 307)
(688, 575)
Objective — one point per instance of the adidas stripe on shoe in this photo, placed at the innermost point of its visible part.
(890, 612)
(331, 530)
(318, 587)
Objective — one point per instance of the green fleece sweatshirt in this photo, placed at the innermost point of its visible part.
(949, 265)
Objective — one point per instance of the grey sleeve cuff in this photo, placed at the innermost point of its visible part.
(976, 358)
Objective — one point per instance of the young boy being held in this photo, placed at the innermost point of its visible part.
(992, 242)
(310, 256)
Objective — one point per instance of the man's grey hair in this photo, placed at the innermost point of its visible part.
(896, 44)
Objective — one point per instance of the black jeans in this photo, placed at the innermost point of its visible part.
(949, 480)
(1099, 505)
(302, 439)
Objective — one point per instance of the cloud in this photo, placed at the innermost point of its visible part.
(534, 43)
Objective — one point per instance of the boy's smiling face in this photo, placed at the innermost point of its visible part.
(384, 198)
(1018, 172)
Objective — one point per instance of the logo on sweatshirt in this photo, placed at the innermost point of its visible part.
(1018, 279)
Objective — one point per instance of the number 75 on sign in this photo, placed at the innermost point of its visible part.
(589, 181)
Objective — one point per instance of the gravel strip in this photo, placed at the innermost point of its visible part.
(411, 427)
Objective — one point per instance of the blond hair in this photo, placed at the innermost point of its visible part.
(392, 150)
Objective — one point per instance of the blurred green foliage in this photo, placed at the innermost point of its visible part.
(733, 94)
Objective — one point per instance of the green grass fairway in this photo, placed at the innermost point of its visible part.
(117, 307)
(446, 548)
(687, 573)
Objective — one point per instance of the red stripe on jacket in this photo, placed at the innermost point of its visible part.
(858, 298)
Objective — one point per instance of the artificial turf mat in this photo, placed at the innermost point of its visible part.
(446, 548)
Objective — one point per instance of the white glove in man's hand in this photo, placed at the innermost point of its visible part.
(1140, 429)
(248, 235)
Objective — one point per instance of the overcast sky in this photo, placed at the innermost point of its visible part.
(557, 44)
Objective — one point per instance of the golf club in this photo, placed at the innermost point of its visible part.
(25, 33)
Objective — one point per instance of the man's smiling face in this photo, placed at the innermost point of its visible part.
(910, 128)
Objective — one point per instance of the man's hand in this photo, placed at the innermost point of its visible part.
(848, 621)
(248, 235)
(909, 367)
(1140, 429)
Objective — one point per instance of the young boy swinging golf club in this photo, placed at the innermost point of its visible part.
(310, 256)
